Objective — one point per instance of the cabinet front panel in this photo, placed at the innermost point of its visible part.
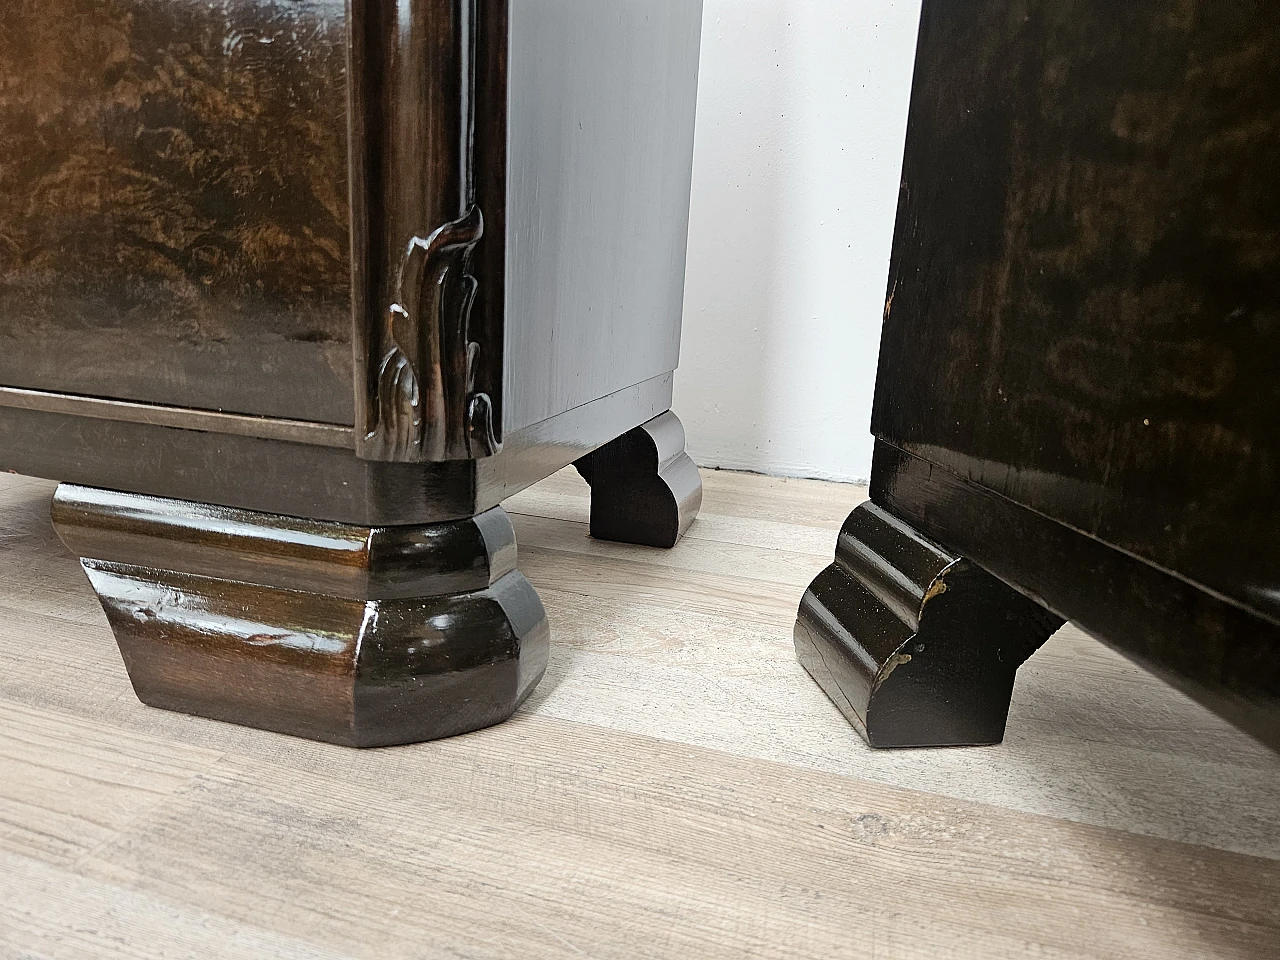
(173, 203)
(1084, 303)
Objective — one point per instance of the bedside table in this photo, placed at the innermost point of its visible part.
(1077, 411)
(294, 294)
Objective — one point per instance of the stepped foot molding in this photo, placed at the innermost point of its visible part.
(363, 636)
(644, 487)
(917, 647)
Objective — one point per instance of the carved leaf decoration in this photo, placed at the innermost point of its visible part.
(425, 408)
(482, 441)
(399, 395)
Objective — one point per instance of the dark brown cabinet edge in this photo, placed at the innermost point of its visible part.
(428, 100)
(181, 418)
(324, 482)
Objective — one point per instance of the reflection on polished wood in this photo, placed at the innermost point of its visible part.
(183, 418)
(427, 77)
(916, 647)
(357, 636)
(255, 261)
(174, 222)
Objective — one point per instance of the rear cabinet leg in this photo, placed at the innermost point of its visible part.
(644, 487)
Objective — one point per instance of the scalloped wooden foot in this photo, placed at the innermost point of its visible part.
(917, 647)
(644, 487)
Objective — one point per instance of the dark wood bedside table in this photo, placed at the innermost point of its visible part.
(1077, 409)
(294, 294)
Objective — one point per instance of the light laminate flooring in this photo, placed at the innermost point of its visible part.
(676, 787)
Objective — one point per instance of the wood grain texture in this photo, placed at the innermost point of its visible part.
(1083, 312)
(173, 203)
(1078, 384)
(676, 787)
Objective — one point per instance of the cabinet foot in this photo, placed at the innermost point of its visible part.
(644, 487)
(917, 647)
(348, 634)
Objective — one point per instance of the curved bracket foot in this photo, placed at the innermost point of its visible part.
(917, 647)
(644, 487)
(352, 635)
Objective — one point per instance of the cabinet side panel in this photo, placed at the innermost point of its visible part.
(602, 99)
(173, 203)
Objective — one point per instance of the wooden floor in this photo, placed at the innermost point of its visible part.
(677, 787)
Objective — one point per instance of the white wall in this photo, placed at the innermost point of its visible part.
(801, 117)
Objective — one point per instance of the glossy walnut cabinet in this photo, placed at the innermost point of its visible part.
(293, 293)
(1077, 411)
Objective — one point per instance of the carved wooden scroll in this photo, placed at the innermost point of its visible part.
(416, 225)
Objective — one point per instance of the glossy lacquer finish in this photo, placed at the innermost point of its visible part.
(428, 116)
(1220, 653)
(174, 203)
(1079, 382)
(352, 635)
(255, 266)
